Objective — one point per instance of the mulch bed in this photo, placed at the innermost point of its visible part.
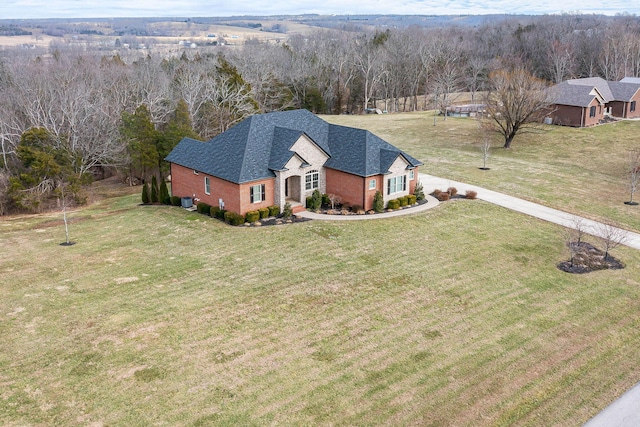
(588, 258)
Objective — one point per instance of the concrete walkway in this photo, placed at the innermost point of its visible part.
(555, 216)
(432, 202)
(624, 412)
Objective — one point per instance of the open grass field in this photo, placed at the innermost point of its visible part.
(456, 316)
(582, 171)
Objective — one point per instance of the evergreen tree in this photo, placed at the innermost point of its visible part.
(142, 140)
(179, 126)
(155, 197)
(165, 199)
(378, 202)
(145, 194)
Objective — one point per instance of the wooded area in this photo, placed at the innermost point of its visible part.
(74, 115)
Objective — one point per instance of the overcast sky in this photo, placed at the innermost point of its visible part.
(18, 9)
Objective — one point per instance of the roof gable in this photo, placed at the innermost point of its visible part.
(575, 95)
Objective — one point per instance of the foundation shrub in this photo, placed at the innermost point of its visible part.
(264, 213)
(412, 199)
(203, 208)
(274, 210)
(233, 218)
(393, 204)
(176, 201)
(378, 202)
(403, 201)
(252, 216)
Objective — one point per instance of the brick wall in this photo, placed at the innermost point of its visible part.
(236, 197)
(350, 188)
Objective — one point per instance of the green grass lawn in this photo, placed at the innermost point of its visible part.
(456, 316)
(576, 170)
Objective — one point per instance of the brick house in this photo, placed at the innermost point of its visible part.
(586, 102)
(270, 159)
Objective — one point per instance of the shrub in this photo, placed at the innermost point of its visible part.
(357, 208)
(252, 216)
(393, 204)
(176, 201)
(233, 218)
(378, 202)
(452, 191)
(287, 212)
(264, 213)
(203, 208)
(412, 199)
(164, 193)
(436, 193)
(316, 200)
(326, 200)
(145, 194)
(442, 196)
(213, 211)
(403, 201)
(470, 194)
(308, 202)
(220, 214)
(419, 191)
(274, 210)
(155, 198)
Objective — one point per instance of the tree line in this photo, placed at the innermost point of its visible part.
(73, 115)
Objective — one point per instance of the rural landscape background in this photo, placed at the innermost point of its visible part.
(156, 315)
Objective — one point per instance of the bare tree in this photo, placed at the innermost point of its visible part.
(485, 150)
(610, 237)
(516, 103)
(633, 170)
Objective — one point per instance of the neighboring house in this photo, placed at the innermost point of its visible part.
(270, 159)
(577, 102)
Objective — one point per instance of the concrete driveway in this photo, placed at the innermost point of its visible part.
(555, 216)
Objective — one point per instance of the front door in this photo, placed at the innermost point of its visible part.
(292, 188)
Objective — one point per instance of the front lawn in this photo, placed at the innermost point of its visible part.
(455, 316)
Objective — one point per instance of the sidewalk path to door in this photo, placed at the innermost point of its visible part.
(555, 216)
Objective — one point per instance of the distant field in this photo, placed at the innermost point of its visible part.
(169, 34)
(456, 316)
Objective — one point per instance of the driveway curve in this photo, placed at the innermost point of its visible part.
(555, 216)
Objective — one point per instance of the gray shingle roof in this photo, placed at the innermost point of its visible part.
(611, 91)
(260, 145)
(570, 94)
(623, 91)
(598, 82)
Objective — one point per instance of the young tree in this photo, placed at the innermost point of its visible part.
(165, 199)
(155, 197)
(633, 159)
(516, 102)
(610, 237)
(485, 150)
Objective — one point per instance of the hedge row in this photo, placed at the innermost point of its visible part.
(407, 200)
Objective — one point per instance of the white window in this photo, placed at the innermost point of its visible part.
(257, 193)
(411, 174)
(311, 180)
(207, 185)
(397, 184)
(372, 184)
